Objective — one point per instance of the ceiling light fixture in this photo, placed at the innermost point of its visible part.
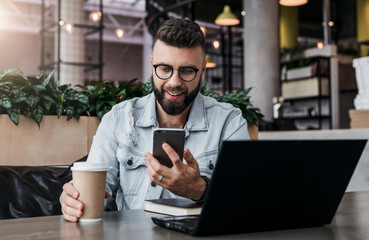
(292, 3)
(227, 18)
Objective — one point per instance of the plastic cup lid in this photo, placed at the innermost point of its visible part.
(89, 166)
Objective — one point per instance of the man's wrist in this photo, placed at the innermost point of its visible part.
(206, 180)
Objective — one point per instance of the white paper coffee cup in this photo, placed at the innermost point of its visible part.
(89, 178)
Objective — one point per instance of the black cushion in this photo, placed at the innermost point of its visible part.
(31, 191)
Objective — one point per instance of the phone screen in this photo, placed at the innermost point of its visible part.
(174, 137)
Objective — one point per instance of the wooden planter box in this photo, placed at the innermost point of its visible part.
(253, 132)
(56, 142)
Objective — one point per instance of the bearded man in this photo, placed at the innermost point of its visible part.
(125, 134)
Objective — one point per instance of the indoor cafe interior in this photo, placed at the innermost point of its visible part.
(298, 71)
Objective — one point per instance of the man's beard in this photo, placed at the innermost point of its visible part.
(175, 107)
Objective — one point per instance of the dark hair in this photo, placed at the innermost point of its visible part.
(181, 33)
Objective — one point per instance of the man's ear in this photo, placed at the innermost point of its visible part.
(151, 60)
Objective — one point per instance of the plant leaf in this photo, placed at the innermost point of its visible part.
(5, 101)
(38, 89)
(3, 73)
(20, 99)
(48, 105)
(37, 114)
(5, 84)
(47, 79)
(32, 100)
(17, 80)
(48, 98)
(28, 112)
(59, 109)
(70, 111)
(76, 96)
(13, 115)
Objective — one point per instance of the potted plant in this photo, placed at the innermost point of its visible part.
(241, 100)
(39, 99)
(26, 100)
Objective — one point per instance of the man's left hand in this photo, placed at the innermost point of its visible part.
(182, 179)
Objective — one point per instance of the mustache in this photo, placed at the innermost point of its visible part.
(177, 89)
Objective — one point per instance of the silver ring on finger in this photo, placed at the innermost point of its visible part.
(160, 178)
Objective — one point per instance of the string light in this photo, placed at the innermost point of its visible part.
(69, 27)
(95, 16)
(320, 45)
(216, 44)
(119, 33)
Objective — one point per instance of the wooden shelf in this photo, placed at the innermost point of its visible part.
(306, 98)
(306, 117)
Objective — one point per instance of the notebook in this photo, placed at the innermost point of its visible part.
(173, 206)
(272, 185)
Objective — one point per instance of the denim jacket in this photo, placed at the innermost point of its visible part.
(126, 133)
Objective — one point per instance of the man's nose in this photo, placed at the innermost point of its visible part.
(175, 80)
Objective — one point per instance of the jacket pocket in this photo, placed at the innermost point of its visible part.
(132, 170)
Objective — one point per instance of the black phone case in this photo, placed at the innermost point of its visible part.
(175, 138)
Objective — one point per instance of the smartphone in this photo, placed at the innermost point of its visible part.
(174, 137)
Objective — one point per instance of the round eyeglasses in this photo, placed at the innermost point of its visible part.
(165, 72)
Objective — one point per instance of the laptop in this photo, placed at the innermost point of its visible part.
(272, 185)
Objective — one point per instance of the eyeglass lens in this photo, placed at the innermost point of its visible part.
(185, 73)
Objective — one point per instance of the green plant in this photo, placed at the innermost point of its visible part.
(37, 96)
(104, 96)
(239, 99)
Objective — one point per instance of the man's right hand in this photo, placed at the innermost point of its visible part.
(71, 206)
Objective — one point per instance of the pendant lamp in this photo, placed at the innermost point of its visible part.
(227, 18)
(292, 3)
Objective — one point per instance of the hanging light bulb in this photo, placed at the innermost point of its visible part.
(69, 27)
(320, 45)
(95, 16)
(119, 33)
(227, 18)
(292, 3)
(216, 44)
(209, 62)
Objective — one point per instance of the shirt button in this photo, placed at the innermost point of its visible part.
(153, 184)
(130, 161)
